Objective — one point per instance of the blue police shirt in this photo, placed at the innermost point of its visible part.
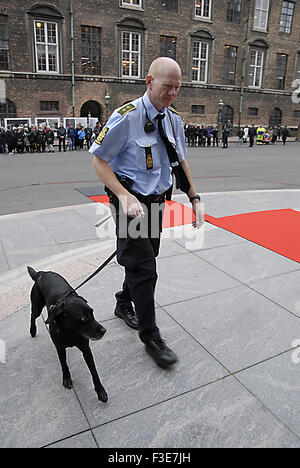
(141, 156)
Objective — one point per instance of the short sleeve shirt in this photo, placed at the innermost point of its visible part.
(141, 156)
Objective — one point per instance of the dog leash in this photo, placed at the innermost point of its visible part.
(101, 267)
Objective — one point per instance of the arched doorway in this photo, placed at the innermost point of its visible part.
(91, 109)
(275, 117)
(227, 115)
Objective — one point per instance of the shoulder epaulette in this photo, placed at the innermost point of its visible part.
(125, 109)
(175, 112)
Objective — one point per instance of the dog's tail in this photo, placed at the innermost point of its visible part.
(32, 273)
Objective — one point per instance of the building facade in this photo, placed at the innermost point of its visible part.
(72, 58)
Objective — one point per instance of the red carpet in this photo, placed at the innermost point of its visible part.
(176, 214)
(277, 230)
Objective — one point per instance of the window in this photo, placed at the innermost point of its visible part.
(230, 56)
(46, 46)
(91, 50)
(200, 62)
(7, 109)
(49, 106)
(203, 9)
(297, 114)
(298, 66)
(261, 14)
(281, 66)
(227, 115)
(275, 117)
(286, 18)
(170, 5)
(131, 54)
(131, 3)
(198, 109)
(256, 68)
(253, 111)
(4, 44)
(168, 47)
(234, 11)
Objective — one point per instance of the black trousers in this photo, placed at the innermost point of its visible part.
(62, 141)
(140, 240)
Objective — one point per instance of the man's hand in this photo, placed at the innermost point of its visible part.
(131, 206)
(198, 208)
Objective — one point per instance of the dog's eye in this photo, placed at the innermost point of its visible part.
(84, 318)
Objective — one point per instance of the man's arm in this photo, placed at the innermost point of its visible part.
(198, 207)
(131, 206)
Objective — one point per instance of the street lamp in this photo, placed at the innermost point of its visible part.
(220, 118)
(107, 101)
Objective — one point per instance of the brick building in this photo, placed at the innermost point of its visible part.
(72, 58)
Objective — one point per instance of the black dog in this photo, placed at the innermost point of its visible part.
(71, 322)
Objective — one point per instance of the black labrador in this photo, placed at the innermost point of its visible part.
(70, 319)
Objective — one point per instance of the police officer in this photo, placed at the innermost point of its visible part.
(132, 160)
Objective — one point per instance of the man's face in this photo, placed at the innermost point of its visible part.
(163, 88)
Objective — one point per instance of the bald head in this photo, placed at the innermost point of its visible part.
(162, 66)
(163, 82)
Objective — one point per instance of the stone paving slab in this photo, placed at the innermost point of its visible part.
(282, 289)
(239, 327)
(131, 378)
(34, 406)
(223, 414)
(186, 276)
(248, 262)
(277, 385)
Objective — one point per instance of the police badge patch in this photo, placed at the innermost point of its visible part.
(102, 135)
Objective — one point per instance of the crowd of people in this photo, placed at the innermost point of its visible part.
(40, 139)
(200, 135)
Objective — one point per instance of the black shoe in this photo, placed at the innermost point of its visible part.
(162, 355)
(127, 313)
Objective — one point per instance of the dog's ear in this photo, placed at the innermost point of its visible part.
(55, 312)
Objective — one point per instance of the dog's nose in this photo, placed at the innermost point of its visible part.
(102, 330)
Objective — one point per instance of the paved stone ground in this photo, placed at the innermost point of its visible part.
(229, 308)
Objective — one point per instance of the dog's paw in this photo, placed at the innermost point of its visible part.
(33, 332)
(102, 395)
(67, 383)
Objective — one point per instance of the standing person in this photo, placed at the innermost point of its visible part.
(71, 136)
(10, 138)
(284, 133)
(260, 135)
(49, 137)
(246, 133)
(225, 136)
(252, 135)
(88, 136)
(97, 130)
(132, 158)
(240, 140)
(81, 137)
(61, 134)
(209, 136)
(215, 135)
(2, 140)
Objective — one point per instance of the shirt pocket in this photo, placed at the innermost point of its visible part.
(146, 153)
